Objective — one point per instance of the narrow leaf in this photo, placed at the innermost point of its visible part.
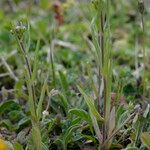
(39, 107)
(91, 106)
(80, 113)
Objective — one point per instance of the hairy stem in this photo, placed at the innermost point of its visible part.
(21, 46)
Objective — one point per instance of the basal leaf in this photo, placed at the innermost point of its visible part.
(91, 105)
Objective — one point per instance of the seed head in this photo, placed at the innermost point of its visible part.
(18, 30)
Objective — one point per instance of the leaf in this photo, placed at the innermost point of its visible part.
(122, 118)
(145, 138)
(65, 137)
(64, 102)
(91, 106)
(77, 120)
(120, 110)
(35, 64)
(68, 133)
(7, 123)
(80, 113)
(112, 120)
(15, 115)
(39, 107)
(147, 111)
(135, 119)
(64, 82)
(111, 124)
(51, 124)
(31, 101)
(96, 127)
(8, 105)
(17, 146)
(19, 89)
(88, 137)
(24, 121)
(90, 74)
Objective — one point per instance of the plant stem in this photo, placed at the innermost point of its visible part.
(52, 63)
(144, 55)
(106, 71)
(102, 45)
(20, 43)
(32, 99)
(51, 55)
(102, 35)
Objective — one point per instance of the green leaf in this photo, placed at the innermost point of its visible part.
(19, 90)
(80, 113)
(64, 82)
(39, 107)
(35, 65)
(24, 121)
(17, 146)
(91, 105)
(15, 115)
(8, 105)
(122, 118)
(7, 123)
(65, 137)
(64, 102)
(68, 133)
(145, 138)
(96, 127)
(88, 137)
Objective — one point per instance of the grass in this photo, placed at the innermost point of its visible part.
(78, 84)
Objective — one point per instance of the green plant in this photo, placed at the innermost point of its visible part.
(35, 107)
(102, 46)
(108, 126)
